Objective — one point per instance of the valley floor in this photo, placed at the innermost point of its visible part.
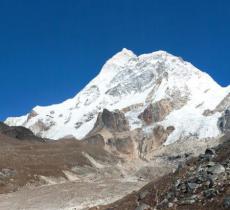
(68, 196)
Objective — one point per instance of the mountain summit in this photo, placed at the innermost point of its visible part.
(151, 90)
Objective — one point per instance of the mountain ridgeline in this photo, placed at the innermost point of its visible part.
(157, 94)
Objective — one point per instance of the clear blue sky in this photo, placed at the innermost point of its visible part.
(50, 49)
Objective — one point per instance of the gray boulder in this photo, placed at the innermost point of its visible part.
(216, 169)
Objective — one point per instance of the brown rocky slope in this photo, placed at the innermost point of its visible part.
(25, 158)
(202, 183)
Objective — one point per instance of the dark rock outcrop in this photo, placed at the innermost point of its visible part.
(111, 132)
(18, 132)
(156, 112)
(224, 121)
(113, 121)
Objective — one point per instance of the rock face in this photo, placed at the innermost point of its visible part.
(156, 112)
(114, 121)
(158, 136)
(18, 132)
(224, 121)
(112, 132)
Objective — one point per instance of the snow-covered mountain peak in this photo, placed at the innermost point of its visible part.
(131, 83)
(121, 58)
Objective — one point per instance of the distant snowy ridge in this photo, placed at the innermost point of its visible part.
(130, 83)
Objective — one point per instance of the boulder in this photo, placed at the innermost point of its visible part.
(143, 206)
(210, 152)
(216, 169)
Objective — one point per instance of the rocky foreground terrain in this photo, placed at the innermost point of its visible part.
(201, 183)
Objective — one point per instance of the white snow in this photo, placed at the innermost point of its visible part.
(189, 122)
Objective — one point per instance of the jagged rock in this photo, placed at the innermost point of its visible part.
(111, 131)
(157, 111)
(147, 115)
(114, 121)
